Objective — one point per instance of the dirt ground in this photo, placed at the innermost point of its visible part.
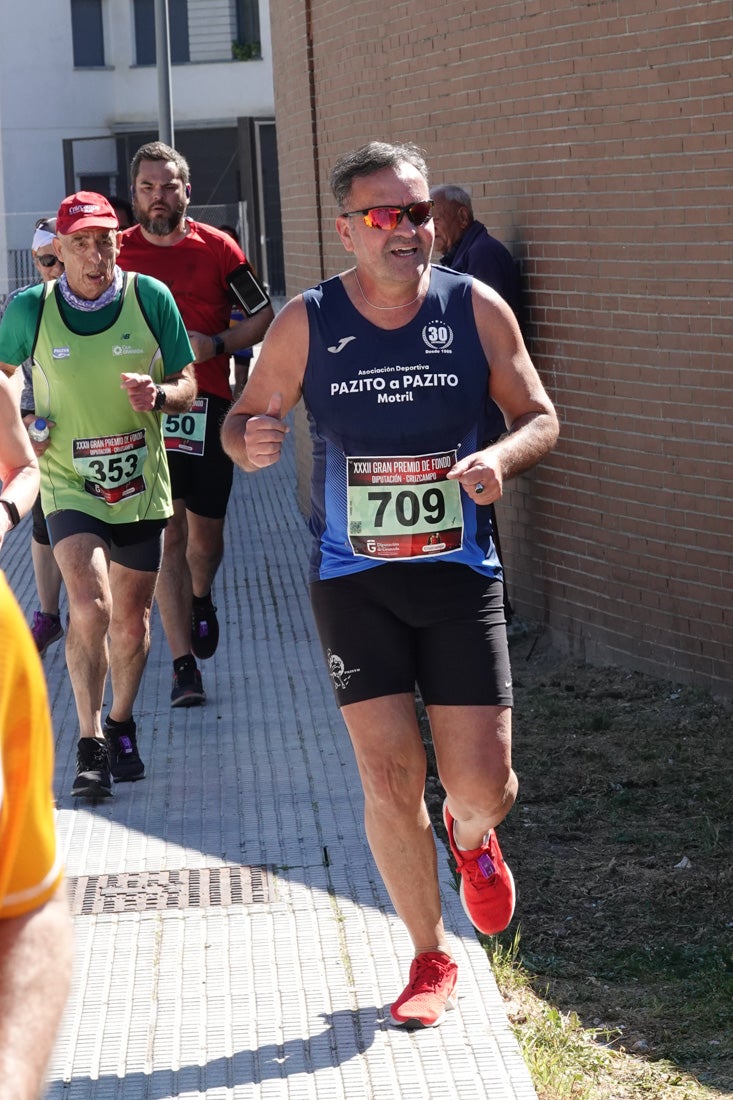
(621, 843)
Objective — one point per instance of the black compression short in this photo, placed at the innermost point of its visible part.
(40, 531)
(438, 625)
(135, 545)
(204, 481)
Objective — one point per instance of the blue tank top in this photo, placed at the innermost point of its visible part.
(389, 412)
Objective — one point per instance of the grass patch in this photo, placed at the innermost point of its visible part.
(620, 986)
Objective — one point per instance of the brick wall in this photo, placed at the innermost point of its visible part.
(596, 142)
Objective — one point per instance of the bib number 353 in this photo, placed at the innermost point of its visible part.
(111, 466)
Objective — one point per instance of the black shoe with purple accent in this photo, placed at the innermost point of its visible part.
(188, 690)
(124, 759)
(93, 779)
(204, 628)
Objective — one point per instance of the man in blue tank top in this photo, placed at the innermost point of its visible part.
(394, 359)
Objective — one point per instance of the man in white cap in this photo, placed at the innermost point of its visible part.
(110, 353)
(46, 627)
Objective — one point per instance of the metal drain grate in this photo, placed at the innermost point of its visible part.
(189, 888)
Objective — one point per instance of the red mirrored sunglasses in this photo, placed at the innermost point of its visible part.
(389, 217)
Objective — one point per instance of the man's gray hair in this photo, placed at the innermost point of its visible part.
(451, 192)
(371, 158)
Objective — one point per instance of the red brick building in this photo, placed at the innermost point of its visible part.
(597, 141)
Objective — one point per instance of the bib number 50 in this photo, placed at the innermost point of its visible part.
(180, 424)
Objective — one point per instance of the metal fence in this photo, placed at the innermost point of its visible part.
(19, 268)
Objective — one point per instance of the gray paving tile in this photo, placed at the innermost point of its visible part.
(280, 996)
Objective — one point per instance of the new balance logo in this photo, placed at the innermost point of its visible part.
(341, 344)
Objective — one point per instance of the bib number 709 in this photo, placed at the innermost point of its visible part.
(410, 508)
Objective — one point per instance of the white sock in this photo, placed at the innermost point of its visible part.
(461, 848)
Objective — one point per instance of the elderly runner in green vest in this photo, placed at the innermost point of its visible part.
(110, 354)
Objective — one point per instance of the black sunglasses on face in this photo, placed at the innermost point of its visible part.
(389, 217)
(48, 260)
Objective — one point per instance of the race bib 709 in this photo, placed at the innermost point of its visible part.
(402, 506)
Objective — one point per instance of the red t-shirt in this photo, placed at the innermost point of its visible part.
(194, 270)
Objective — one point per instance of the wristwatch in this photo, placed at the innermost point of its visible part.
(160, 396)
(218, 344)
(12, 511)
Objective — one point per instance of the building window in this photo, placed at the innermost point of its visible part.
(247, 45)
(100, 184)
(87, 33)
(145, 53)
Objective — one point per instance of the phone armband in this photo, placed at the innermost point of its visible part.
(246, 289)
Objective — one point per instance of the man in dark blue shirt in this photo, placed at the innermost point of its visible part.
(466, 245)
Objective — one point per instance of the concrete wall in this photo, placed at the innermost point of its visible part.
(596, 142)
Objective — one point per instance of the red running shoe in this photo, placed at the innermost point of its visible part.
(487, 884)
(429, 992)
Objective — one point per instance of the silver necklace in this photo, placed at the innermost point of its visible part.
(402, 305)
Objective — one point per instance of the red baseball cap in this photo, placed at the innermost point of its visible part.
(85, 210)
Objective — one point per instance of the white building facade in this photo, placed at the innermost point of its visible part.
(79, 94)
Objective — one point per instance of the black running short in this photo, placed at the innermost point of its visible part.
(135, 545)
(40, 531)
(204, 481)
(438, 625)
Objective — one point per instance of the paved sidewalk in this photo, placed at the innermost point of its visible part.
(233, 938)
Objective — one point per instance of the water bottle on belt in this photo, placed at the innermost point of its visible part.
(38, 430)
